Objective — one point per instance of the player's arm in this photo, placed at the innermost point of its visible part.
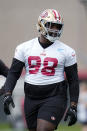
(3, 69)
(71, 71)
(15, 69)
(13, 75)
(72, 77)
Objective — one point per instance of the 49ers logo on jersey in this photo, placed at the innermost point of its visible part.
(48, 69)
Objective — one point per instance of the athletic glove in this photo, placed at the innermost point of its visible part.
(71, 114)
(7, 102)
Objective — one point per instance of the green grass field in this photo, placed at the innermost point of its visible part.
(66, 128)
(5, 127)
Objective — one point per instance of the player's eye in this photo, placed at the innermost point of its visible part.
(53, 25)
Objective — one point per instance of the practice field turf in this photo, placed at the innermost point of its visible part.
(66, 128)
(4, 127)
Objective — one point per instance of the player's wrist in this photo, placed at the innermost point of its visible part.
(73, 106)
(8, 93)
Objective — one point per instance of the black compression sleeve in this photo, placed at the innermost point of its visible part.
(13, 75)
(72, 77)
(3, 69)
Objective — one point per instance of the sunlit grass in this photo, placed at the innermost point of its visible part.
(69, 128)
(62, 127)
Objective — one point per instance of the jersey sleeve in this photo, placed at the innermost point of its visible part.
(70, 58)
(19, 53)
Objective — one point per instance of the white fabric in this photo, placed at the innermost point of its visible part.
(44, 66)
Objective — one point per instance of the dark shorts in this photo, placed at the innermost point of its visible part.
(50, 109)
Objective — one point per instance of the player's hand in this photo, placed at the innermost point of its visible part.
(7, 102)
(71, 115)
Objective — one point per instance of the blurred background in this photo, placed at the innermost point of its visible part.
(18, 19)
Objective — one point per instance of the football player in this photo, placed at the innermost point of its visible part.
(3, 71)
(45, 59)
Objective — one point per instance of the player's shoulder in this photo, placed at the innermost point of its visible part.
(64, 47)
(26, 44)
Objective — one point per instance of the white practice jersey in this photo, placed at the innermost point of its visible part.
(45, 66)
